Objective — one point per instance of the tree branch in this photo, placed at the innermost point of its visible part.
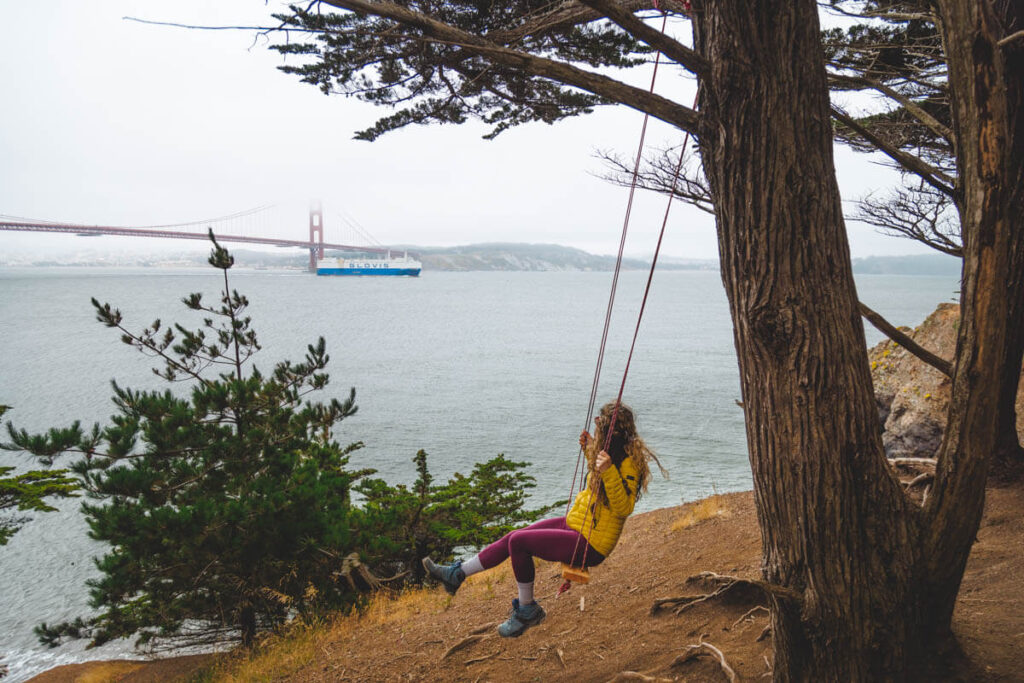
(1010, 38)
(918, 213)
(668, 46)
(889, 330)
(908, 104)
(931, 175)
(573, 13)
(668, 111)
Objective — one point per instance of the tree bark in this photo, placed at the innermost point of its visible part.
(1008, 459)
(989, 337)
(835, 525)
(247, 624)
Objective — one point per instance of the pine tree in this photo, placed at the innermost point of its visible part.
(410, 523)
(227, 507)
(29, 491)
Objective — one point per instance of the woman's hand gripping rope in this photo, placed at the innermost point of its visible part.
(603, 461)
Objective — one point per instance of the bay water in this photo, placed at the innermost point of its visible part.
(463, 365)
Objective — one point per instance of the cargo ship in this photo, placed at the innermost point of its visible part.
(399, 265)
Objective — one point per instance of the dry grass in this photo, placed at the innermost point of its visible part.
(700, 511)
(274, 659)
(108, 671)
(297, 646)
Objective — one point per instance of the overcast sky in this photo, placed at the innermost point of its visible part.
(110, 121)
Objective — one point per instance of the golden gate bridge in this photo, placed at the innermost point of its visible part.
(248, 227)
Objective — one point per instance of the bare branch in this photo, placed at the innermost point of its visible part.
(657, 174)
(891, 331)
(918, 213)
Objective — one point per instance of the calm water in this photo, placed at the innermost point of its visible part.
(464, 365)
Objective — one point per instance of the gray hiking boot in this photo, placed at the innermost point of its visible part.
(451, 576)
(521, 618)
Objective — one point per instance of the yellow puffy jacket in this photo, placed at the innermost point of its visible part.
(620, 483)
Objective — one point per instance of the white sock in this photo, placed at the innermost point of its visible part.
(525, 593)
(472, 566)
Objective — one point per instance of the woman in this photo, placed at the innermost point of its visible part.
(617, 477)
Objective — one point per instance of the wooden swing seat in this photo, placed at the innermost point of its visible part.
(578, 574)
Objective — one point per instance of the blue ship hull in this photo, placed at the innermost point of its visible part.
(414, 272)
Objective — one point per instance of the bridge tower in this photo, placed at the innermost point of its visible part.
(316, 234)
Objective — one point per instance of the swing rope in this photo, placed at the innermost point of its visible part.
(582, 575)
(615, 281)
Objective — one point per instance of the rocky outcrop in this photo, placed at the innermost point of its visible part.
(912, 396)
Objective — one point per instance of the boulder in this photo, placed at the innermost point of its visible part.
(912, 396)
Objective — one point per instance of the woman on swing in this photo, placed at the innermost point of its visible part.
(616, 479)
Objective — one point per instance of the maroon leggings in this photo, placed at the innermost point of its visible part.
(548, 539)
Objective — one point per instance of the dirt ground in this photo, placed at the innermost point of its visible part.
(598, 631)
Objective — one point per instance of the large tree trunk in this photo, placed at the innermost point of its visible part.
(835, 524)
(985, 93)
(1008, 459)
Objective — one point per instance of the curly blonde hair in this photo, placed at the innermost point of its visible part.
(624, 443)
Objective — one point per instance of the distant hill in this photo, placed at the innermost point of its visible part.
(495, 256)
(531, 257)
(923, 264)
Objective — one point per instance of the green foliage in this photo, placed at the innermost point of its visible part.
(29, 491)
(392, 64)
(899, 46)
(226, 508)
(410, 523)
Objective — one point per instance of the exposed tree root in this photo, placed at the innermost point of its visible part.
(771, 669)
(744, 589)
(481, 659)
(749, 614)
(462, 645)
(923, 478)
(766, 633)
(704, 649)
(913, 462)
(483, 629)
(623, 676)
